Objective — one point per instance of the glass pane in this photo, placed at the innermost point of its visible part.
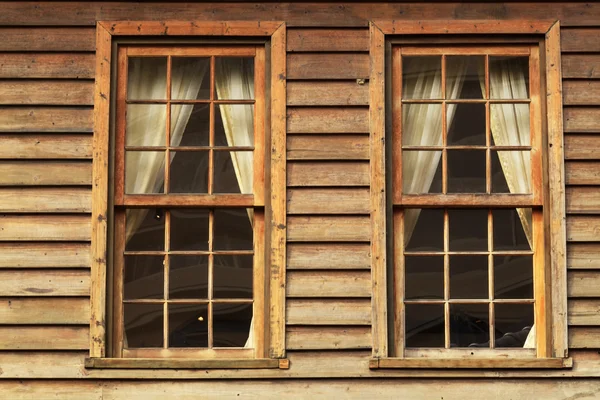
(143, 277)
(466, 124)
(424, 277)
(234, 78)
(468, 229)
(189, 172)
(190, 78)
(188, 277)
(422, 125)
(233, 229)
(470, 69)
(237, 124)
(509, 233)
(424, 325)
(146, 125)
(143, 325)
(189, 229)
(509, 77)
(513, 277)
(513, 323)
(515, 166)
(468, 277)
(466, 171)
(422, 77)
(231, 324)
(421, 172)
(499, 184)
(424, 229)
(233, 276)
(144, 172)
(147, 78)
(469, 325)
(188, 325)
(509, 124)
(190, 124)
(233, 180)
(145, 229)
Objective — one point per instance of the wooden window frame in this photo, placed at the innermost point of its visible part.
(553, 352)
(273, 35)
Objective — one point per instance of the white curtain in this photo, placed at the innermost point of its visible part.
(422, 125)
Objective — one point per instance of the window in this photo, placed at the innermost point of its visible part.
(189, 275)
(469, 206)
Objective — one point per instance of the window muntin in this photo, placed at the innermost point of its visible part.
(188, 257)
(466, 148)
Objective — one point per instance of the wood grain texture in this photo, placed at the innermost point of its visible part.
(583, 283)
(321, 66)
(328, 338)
(582, 119)
(583, 256)
(45, 119)
(581, 92)
(583, 200)
(45, 227)
(583, 228)
(43, 311)
(47, 39)
(584, 312)
(582, 173)
(327, 93)
(345, 256)
(30, 282)
(45, 173)
(581, 66)
(46, 92)
(47, 65)
(45, 146)
(328, 174)
(584, 337)
(328, 312)
(327, 40)
(328, 147)
(580, 40)
(328, 229)
(44, 338)
(327, 201)
(582, 147)
(45, 200)
(341, 284)
(328, 120)
(44, 255)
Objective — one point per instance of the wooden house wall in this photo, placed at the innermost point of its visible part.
(46, 105)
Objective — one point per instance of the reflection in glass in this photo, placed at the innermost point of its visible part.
(422, 125)
(231, 324)
(188, 325)
(234, 78)
(510, 124)
(508, 230)
(513, 277)
(469, 325)
(232, 229)
(145, 229)
(469, 68)
(143, 277)
(232, 276)
(189, 229)
(189, 172)
(238, 125)
(182, 88)
(468, 277)
(188, 277)
(229, 179)
(509, 77)
(144, 172)
(468, 125)
(143, 325)
(424, 229)
(417, 180)
(140, 71)
(468, 229)
(466, 171)
(196, 132)
(424, 277)
(424, 325)
(146, 125)
(421, 77)
(513, 323)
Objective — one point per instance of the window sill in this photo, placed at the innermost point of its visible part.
(487, 363)
(164, 363)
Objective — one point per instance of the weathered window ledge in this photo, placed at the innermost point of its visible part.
(162, 363)
(524, 363)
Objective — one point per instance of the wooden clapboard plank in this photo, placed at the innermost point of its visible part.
(586, 66)
(328, 66)
(45, 227)
(47, 92)
(584, 337)
(583, 200)
(47, 39)
(47, 65)
(328, 147)
(582, 119)
(45, 173)
(584, 312)
(44, 364)
(328, 174)
(38, 311)
(328, 338)
(583, 255)
(45, 119)
(44, 338)
(328, 201)
(67, 282)
(328, 312)
(580, 40)
(582, 173)
(328, 120)
(328, 93)
(583, 228)
(328, 256)
(299, 40)
(581, 92)
(44, 255)
(582, 147)
(583, 283)
(328, 229)
(43, 146)
(45, 200)
(312, 283)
